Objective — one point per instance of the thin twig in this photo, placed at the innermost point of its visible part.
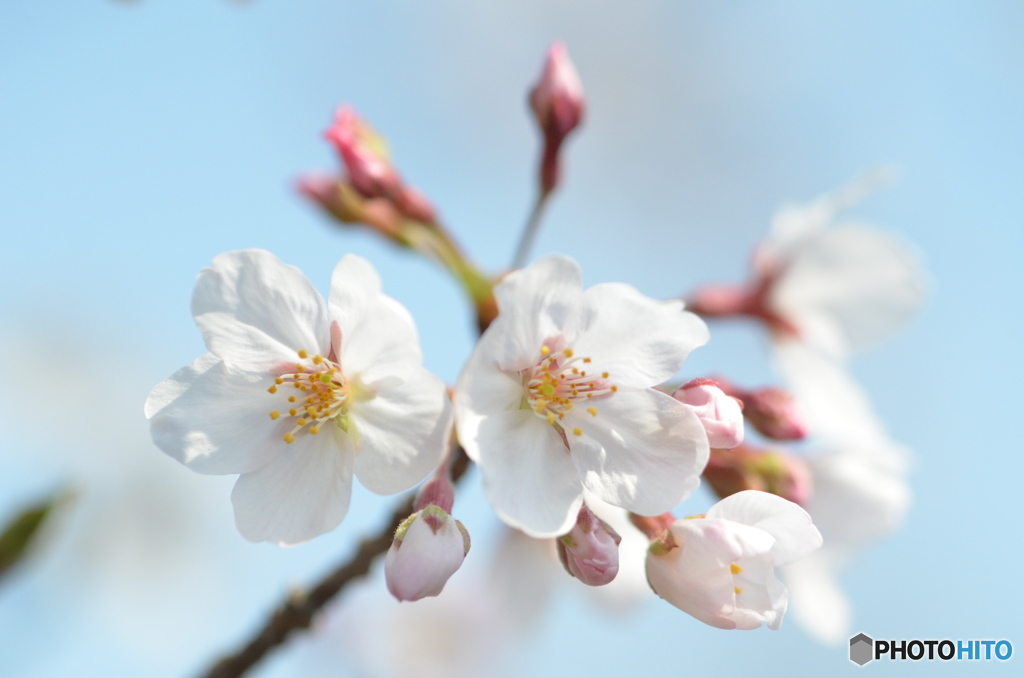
(299, 610)
(530, 232)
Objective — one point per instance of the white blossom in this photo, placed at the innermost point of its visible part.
(558, 396)
(298, 394)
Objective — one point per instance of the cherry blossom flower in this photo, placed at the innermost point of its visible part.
(298, 394)
(837, 287)
(558, 396)
(720, 567)
(861, 493)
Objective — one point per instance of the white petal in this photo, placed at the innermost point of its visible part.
(862, 281)
(256, 312)
(533, 305)
(300, 495)
(644, 451)
(816, 601)
(639, 341)
(528, 476)
(215, 419)
(482, 389)
(378, 336)
(401, 434)
(795, 535)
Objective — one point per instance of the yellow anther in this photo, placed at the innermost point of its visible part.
(301, 422)
(311, 399)
(738, 590)
(551, 418)
(590, 395)
(303, 354)
(586, 360)
(575, 371)
(316, 429)
(544, 350)
(299, 368)
(577, 431)
(296, 384)
(592, 410)
(583, 374)
(272, 389)
(568, 352)
(604, 375)
(275, 414)
(278, 380)
(735, 569)
(293, 412)
(317, 359)
(289, 438)
(615, 388)
(561, 415)
(291, 399)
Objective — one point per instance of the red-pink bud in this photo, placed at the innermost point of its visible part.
(720, 414)
(590, 551)
(748, 468)
(364, 155)
(558, 105)
(774, 413)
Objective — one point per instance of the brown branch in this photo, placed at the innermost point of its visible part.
(299, 610)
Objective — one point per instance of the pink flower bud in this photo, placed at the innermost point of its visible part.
(774, 413)
(720, 414)
(364, 154)
(429, 547)
(590, 551)
(558, 105)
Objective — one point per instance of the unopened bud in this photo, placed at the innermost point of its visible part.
(774, 413)
(720, 414)
(558, 104)
(364, 153)
(429, 547)
(747, 468)
(590, 551)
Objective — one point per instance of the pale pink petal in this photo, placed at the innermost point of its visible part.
(302, 494)
(256, 312)
(643, 451)
(482, 390)
(401, 434)
(640, 342)
(795, 534)
(378, 336)
(528, 476)
(533, 305)
(215, 419)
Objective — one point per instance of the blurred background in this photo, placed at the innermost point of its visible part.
(140, 139)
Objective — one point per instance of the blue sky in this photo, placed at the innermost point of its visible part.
(140, 139)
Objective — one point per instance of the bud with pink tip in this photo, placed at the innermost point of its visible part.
(772, 411)
(558, 105)
(590, 551)
(370, 172)
(429, 547)
(720, 414)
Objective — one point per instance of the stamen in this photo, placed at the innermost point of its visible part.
(577, 431)
(272, 389)
(303, 354)
(735, 569)
(289, 438)
(738, 590)
(275, 414)
(592, 410)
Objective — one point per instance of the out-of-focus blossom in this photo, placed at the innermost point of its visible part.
(771, 470)
(719, 413)
(297, 394)
(558, 105)
(838, 287)
(590, 551)
(429, 547)
(860, 489)
(558, 396)
(720, 567)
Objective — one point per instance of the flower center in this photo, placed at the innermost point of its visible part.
(316, 392)
(559, 381)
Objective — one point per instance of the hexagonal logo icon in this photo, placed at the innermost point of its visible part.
(862, 649)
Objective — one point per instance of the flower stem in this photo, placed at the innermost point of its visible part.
(530, 232)
(298, 610)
